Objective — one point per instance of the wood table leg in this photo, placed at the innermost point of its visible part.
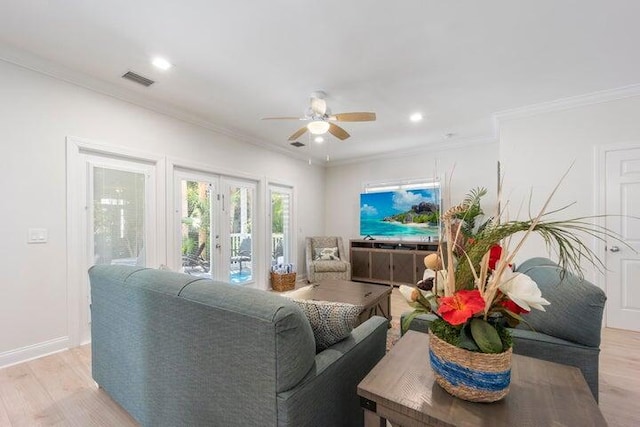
(371, 419)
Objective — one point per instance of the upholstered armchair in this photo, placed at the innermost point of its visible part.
(568, 332)
(326, 259)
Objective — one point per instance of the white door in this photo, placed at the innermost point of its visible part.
(622, 195)
(238, 231)
(197, 224)
(120, 218)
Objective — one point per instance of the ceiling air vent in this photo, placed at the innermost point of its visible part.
(297, 144)
(130, 75)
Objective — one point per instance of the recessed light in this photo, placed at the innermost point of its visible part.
(161, 63)
(319, 139)
(416, 117)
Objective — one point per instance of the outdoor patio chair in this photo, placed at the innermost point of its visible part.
(243, 253)
(195, 261)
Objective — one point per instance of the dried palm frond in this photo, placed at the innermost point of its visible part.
(564, 236)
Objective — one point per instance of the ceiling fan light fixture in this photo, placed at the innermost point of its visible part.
(318, 127)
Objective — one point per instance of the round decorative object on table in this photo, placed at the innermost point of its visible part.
(470, 375)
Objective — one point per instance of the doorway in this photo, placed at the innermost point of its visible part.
(621, 202)
(112, 218)
(215, 226)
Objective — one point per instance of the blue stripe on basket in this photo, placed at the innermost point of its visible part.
(459, 375)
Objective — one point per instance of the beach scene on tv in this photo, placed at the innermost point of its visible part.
(402, 213)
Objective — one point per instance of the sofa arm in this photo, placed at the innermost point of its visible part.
(328, 394)
(420, 323)
(545, 347)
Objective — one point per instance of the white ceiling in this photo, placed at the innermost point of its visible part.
(456, 61)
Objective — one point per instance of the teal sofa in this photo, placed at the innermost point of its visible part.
(176, 350)
(568, 332)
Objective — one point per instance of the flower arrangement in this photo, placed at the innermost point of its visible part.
(470, 285)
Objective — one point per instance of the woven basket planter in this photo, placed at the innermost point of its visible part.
(283, 282)
(469, 375)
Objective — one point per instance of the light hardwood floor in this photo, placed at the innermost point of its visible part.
(57, 390)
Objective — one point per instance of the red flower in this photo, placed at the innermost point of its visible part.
(513, 307)
(457, 309)
(494, 256)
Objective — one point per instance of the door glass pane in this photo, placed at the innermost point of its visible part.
(195, 226)
(118, 217)
(240, 213)
(280, 226)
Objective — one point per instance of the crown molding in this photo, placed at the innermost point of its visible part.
(567, 103)
(449, 144)
(56, 71)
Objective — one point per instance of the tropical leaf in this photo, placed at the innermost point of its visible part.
(566, 237)
(409, 318)
(466, 339)
(485, 336)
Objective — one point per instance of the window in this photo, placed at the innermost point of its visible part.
(118, 216)
(239, 203)
(281, 240)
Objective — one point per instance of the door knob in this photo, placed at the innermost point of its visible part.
(614, 249)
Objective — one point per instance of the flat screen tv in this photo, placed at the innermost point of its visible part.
(402, 214)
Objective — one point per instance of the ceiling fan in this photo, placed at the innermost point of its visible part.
(321, 120)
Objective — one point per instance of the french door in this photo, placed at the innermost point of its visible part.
(215, 226)
(119, 221)
(119, 203)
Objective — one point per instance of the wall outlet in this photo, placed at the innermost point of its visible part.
(37, 235)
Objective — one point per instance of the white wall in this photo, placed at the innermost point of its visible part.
(475, 166)
(535, 152)
(36, 114)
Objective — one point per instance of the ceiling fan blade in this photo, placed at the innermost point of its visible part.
(282, 118)
(354, 117)
(299, 132)
(338, 132)
(318, 106)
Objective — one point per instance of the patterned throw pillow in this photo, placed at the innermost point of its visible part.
(326, 254)
(330, 321)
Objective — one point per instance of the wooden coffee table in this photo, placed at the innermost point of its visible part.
(376, 299)
(401, 388)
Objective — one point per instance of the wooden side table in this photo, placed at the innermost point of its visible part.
(401, 388)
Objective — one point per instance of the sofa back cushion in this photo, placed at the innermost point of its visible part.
(320, 243)
(159, 337)
(291, 332)
(575, 312)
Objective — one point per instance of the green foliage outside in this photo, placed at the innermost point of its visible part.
(277, 225)
(198, 218)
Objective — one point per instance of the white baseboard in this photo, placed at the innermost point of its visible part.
(34, 351)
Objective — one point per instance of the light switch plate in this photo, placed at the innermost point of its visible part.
(37, 235)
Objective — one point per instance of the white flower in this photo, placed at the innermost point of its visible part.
(410, 293)
(522, 290)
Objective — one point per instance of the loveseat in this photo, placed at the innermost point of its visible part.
(177, 350)
(568, 332)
